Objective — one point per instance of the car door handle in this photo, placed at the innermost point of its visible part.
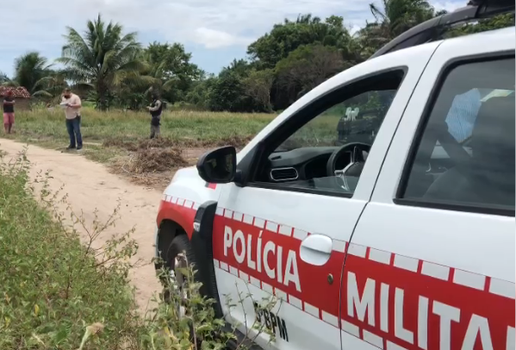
(316, 249)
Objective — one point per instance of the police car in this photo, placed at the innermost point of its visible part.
(405, 242)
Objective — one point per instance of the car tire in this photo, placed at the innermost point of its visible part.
(179, 245)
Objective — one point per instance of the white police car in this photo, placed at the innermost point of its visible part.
(406, 242)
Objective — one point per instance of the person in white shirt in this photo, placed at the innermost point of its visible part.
(72, 104)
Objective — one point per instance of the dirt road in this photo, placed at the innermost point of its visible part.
(90, 186)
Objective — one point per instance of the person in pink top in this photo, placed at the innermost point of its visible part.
(8, 105)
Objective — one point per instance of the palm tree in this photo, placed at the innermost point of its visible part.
(29, 69)
(397, 16)
(6, 81)
(167, 66)
(102, 59)
(50, 86)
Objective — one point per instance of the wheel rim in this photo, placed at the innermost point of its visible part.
(179, 282)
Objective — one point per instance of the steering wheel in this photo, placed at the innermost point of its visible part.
(353, 169)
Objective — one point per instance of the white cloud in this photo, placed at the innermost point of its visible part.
(215, 39)
(212, 24)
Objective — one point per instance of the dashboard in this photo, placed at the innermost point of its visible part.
(301, 164)
(308, 163)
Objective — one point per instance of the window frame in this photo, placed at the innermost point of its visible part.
(249, 165)
(420, 131)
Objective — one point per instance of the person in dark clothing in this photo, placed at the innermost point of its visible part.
(8, 111)
(155, 110)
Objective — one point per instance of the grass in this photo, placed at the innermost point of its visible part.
(102, 130)
(120, 138)
(190, 128)
(58, 292)
(117, 137)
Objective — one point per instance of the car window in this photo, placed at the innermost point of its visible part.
(356, 119)
(326, 153)
(462, 115)
(464, 110)
(465, 156)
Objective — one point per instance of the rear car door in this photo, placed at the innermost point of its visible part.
(286, 237)
(433, 253)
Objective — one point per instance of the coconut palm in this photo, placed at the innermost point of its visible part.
(29, 69)
(103, 58)
(50, 86)
(169, 71)
(397, 16)
(391, 19)
(6, 81)
(164, 65)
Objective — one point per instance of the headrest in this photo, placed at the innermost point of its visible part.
(493, 138)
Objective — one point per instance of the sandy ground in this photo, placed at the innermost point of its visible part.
(91, 186)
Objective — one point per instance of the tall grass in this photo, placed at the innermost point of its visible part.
(178, 125)
(112, 136)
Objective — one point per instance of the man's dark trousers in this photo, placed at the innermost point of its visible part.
(74, 131)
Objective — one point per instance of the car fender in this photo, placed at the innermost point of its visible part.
(179, 204)
(181, 199)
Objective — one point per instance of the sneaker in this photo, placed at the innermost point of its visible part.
(79, 148)
(70, 148)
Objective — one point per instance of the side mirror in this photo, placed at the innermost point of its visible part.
(218, 166)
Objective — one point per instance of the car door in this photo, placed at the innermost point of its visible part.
(282, 233)
(433, 253)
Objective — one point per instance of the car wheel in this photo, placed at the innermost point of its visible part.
(178, 258)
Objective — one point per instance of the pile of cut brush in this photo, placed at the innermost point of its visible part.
(151, 160)
(148, 156)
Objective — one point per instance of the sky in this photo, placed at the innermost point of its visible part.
(214, 31)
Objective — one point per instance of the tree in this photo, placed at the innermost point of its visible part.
(394, 18)
(228, 91)
(50, 86)
(6, 81)
(307, 67)
(496, 22)
(239, 67)
(397, 16)
(258, 85)
(171, 68)
(228, 94)
(286, 37)
(201, 91)
(29, 69)
(102, 59)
